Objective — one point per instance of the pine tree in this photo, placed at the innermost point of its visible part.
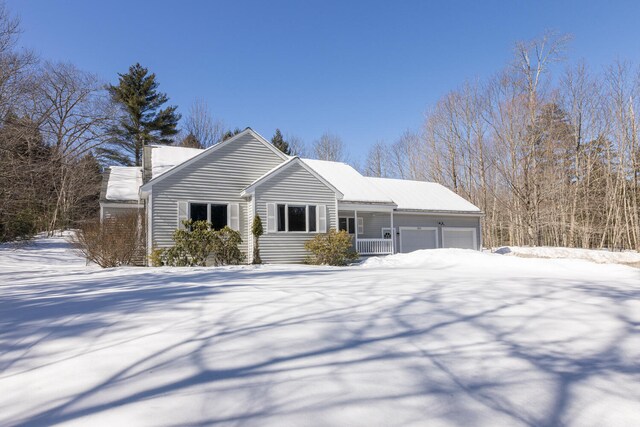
(279, 142)
(144, 121)
(230, 134)
(190, 141)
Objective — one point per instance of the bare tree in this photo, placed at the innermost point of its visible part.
(74, 111)
(330, 147)
(377, 163)
(202, 126)
(297, 146)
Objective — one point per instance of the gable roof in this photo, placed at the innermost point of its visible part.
(248, 131)
(122, 183)
(349, 182)
(423, 196)
(283, 166)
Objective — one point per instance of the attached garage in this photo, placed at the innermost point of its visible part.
(415, 238)
(459, 237)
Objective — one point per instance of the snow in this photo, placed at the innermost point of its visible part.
(422, 195)
(124, 182)
(165, 157)
(355, 187)
(443, 337)
(593, 255)
(409, 195)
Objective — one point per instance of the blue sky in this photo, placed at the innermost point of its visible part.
(366, 71)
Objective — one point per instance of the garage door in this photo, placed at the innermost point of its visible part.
(414, 238)
(459, 237)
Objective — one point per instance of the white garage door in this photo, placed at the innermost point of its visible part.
(459, 237)
(414, 238)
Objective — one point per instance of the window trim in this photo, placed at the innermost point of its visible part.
(306, 217)
(208, 203)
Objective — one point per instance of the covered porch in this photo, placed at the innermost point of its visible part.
(371, 227)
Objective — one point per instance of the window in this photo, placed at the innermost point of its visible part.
(282, 219)
(347, 224)
(300, 218)
(297, 218)
(215, 214)
(218, 216)
(312, 218)
(198, 212)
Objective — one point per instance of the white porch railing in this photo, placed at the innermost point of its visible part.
(374, 246)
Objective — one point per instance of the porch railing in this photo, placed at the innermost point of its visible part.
(374, 246)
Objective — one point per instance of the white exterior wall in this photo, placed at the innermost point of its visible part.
(294, 185)
(217, 177)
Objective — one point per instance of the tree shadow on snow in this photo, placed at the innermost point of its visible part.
(464, 344)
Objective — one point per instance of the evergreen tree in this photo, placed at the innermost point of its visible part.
(144, 121)
(190, 141)
(279, 142)
(230, 133)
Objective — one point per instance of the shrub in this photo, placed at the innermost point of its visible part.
(226, 249)
(157, 257)
(114, 242)
(197, 243)
(332, 248)
(257, 231)
(21, 226)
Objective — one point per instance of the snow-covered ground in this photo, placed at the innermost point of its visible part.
(442, 337)
(593, 255)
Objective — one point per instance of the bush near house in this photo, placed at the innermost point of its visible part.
(198, 243)
(332, 248)
(113, 242)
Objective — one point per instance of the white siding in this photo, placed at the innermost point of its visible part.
(293, 185)
(219, 177)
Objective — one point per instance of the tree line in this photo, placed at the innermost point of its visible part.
(60, 126)
(550, 160)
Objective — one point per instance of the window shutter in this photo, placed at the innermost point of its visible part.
(360, 225)
(271, 218)
(183, 214)
(322, 219)
(233, 215)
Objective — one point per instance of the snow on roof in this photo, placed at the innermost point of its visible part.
(123, 183)
(164, 157)
(355, 187)
(421, 195)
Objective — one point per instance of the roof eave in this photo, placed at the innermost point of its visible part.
(441, 212)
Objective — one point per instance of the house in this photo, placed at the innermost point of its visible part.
(232, 181)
